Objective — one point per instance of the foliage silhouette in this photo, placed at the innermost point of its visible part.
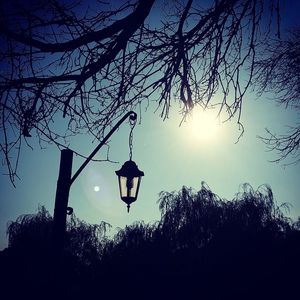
(210, 247)
(203, 247)
(90, 62)
(30, 256)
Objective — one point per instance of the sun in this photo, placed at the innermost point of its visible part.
(203, 125)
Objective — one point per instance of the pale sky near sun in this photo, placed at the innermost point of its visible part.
(170, 156)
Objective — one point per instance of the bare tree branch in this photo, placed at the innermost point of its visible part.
(278, 71)
(91, 65)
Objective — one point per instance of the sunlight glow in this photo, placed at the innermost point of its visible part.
(203, 125)
(96, 188)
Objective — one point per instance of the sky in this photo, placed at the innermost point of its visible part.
(170, 156)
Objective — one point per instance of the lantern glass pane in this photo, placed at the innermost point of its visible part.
(129, 188)
(123, 188)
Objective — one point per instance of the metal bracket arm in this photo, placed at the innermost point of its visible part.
(132, 116)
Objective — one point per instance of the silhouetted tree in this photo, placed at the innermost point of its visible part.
(29, 263)
(203, 247)
(278, 71)
(33, 233)
(92, 63)
(206, 247)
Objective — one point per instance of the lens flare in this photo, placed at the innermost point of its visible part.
(96, 188)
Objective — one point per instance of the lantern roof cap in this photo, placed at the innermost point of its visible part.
(130, 169)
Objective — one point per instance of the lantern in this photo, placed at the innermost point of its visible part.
(129, 182)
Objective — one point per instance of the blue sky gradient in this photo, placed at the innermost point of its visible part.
(170, 158)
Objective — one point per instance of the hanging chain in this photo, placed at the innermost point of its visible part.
(132, 124)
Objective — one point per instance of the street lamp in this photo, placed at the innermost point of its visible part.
(129, 182)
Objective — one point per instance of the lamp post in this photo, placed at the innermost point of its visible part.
(129, 182)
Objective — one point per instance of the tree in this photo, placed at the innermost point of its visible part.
(278, 71)
(91, 64)
(201, 242)
(33, 234)
(206, 247)
(28, 262)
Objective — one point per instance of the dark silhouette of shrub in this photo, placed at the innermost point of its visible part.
(203, 247)
(29, 264)
(209, 248)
